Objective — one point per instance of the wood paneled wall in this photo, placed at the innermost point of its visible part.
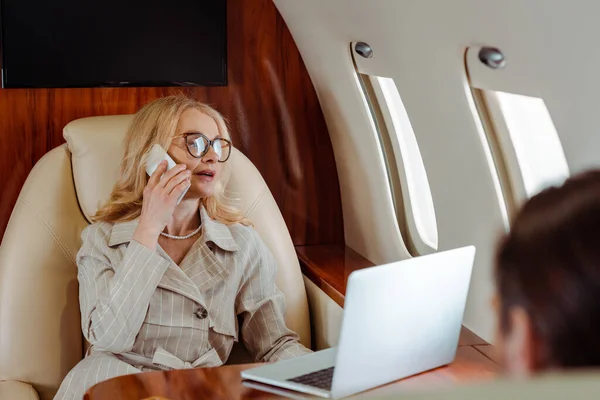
(270, 102)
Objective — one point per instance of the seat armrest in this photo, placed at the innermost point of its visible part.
(328, 267)
(16, 390)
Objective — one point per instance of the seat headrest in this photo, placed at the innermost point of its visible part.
(96, 146)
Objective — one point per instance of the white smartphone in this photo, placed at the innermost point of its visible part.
(155, 156)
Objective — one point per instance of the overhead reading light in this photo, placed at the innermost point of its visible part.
(492, 57)
(363, 49)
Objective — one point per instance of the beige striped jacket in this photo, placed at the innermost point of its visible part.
(140, 311)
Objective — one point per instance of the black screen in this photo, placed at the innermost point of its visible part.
(92, 43)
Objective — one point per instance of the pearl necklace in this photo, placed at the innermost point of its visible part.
(189, 235)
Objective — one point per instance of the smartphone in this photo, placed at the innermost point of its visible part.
(155, 156)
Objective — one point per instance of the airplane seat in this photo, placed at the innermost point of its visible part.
(40, 327)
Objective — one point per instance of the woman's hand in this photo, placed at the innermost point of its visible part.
(160, 200)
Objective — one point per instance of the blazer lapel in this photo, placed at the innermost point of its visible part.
(201, 265)
(200, 270)
(204, 269)
(174, 279)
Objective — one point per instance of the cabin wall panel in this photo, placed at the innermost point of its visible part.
(270, 102)
(422, 44)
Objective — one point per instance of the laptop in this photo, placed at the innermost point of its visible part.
(400, 319)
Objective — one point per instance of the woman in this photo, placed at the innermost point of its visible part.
(162, 284)
(548, 280)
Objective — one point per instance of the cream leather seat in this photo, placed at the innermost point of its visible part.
(40, 330)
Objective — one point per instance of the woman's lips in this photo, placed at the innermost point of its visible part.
(206, 175)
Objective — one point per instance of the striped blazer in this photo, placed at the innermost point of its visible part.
(140, 308)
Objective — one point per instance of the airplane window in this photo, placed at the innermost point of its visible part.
(529, 142)
(419, 212)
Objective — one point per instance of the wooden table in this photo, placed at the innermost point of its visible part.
(471, 365)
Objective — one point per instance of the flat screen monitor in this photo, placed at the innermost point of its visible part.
(108, 43)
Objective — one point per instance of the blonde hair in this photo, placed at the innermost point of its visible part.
(156, 122)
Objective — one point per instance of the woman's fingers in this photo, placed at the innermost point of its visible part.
(180, 188)
(158, 172)
(171, 173)
(176, 180)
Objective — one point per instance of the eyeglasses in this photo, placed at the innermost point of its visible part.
(198, 145)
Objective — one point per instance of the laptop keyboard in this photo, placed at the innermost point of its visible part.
(321, 378)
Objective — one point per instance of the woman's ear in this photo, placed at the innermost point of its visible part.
(518, 345)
